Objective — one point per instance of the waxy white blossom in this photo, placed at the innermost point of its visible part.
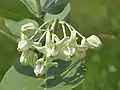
(40, 67)
(28, 29)
(73, 49)
(71, 45)
(54, 48)
(24, 45)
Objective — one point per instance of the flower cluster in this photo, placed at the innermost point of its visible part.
(54, 48)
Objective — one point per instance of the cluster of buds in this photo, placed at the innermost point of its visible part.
(54, 48)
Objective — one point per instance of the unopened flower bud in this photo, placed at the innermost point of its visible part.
(28, 57)
(93, 41)
(24, 45)
(40, 67)
(28, 29)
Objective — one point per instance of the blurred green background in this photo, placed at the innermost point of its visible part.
(99, 17)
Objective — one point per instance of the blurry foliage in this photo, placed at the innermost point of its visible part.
(100, 17)
(15, 10)
(8, 51)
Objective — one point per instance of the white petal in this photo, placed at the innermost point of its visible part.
(60, 45)
(41, 49)
(39, 70)
(83, 42)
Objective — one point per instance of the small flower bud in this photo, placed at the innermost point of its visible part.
(40, 67)
(28, 57)
(28, 29)
(93, 41)
(24, 45)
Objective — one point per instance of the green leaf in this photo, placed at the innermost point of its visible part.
(3, 25)
(53, 6)
(34, 6)
(67, 76)
(31, 5)
(64, 15)
(15, 27)
(8, 52)
(15, 10)
(7, 48)
(19, 80)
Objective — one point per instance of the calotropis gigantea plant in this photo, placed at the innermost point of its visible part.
(54, 47)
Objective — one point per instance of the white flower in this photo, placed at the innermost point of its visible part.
(93, 41)
(28, 57)
(73, 50)
(60, 44)
(54, 48)
(71, 44)
(51, 49)
(27, 26)
(28, 29)
(24, 45)
(40, 67)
